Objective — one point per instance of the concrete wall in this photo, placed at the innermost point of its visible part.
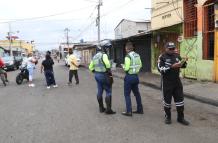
(143, 26)
(197, 67)
(129, 28)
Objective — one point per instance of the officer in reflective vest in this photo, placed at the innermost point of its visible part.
(132, 67)
(100, 66)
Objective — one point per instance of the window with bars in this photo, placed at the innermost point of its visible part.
(190, 18)
(208, 31)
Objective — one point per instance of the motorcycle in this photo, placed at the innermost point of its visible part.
(24, 74)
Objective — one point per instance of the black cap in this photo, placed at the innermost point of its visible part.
(170, 45)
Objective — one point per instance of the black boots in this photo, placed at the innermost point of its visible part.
(180, 117)
(127, 114)
(108, 103)
(101, 105)
(138, 111)
(167, 115)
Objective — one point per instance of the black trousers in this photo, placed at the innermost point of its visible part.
(49, 75)
(73, 73)
(173, 90)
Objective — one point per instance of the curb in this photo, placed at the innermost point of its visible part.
(187, 95)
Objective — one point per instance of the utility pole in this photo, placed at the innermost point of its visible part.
(9, 37)
(98, 21)
(67, 37)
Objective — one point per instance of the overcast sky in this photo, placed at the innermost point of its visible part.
(77, 15)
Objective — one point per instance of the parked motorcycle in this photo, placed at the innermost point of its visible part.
(24, 74)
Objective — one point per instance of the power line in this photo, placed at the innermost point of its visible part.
(117, 8)
(47, 16)
(176, 9)
(91, 1)
(85, 29)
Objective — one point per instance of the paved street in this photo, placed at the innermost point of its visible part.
(70, 115)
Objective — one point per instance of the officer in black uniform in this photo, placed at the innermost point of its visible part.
(169, 64)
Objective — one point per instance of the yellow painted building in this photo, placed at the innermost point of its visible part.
(166, 13)
(17, 45)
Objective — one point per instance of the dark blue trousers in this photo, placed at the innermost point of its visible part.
(102, 84)
(131, 84)
(49, 75)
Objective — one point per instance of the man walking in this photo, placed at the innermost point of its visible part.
(132, 67)
(169, 65)
(100, 66)
(47, 66)
(73, 68)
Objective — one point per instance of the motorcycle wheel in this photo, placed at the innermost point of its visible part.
(19, 79)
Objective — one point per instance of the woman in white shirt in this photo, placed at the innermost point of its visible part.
(31, 62)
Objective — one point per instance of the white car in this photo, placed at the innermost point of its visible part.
(66, 61)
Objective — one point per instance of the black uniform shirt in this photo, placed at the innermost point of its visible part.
(164, 66)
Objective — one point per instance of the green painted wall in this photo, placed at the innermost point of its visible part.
(197, 68)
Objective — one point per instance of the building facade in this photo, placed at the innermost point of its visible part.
(191, 25)
(17, 46)
(128, 28)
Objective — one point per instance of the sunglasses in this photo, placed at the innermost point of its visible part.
(172, 49)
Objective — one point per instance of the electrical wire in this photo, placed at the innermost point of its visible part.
(117, 8)
(176, 9)
(91, 1)
(47, 16)
(104, 15)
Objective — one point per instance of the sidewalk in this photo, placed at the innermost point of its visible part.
(205, 92)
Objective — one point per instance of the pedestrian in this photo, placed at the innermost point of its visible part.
(2, 71)
(132, 66)
(58, 58)
(72, 60)
(47, 67)
(169, 65)
(31, 62)
(101, 67)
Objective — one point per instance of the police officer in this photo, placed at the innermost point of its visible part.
(101, 66)
(169, 64)
(132, 67)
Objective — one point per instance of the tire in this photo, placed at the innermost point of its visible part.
(19, 79)
(14, 68)
(3, 79)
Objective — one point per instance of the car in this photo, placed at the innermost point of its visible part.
(66, 61)
(11, 63)
(18, 60)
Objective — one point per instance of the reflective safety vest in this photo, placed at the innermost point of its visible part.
(98, 63)
(135, 63)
